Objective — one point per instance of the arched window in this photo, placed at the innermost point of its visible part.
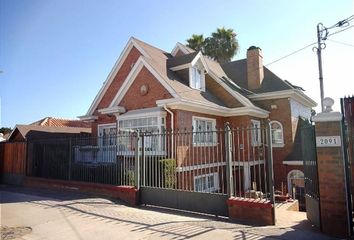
(295, 179)
(277, 134)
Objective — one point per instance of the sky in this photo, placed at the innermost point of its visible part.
(56, 54)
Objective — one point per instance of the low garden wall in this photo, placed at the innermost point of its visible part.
(127, 194)
(253, 211)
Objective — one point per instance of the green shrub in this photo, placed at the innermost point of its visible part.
(169, 172)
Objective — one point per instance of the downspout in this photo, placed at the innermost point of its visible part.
(172, 128)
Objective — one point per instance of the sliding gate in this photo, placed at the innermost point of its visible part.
(199, 170)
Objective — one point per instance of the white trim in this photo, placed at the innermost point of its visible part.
(200, 57)
(181, 67)
(201, 107)
(215, 180)
(118, 64)
(111, 110)
(181, 47)
(294, 163)
(212, 130)
(256, 128)
(141, 113)
(88, 118)
(278, 145)
(295, 94)
(105, 125)
(219, 164)
(328, 117)
(131, 77)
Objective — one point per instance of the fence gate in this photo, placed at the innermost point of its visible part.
(312, 197)
(347, 107)
(199, 170)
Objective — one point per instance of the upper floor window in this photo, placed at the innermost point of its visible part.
(277, 134)
(196, 78)
(255, 132)
(204, 131)
(107, 134)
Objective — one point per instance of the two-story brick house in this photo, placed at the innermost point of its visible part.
(150, 89)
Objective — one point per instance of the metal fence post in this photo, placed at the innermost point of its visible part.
(228, 155)
(137, 160)
(70, 158)
(270, 162)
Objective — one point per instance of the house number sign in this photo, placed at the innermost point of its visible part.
(328, 141)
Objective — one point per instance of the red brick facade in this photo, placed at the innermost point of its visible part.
(134, 100)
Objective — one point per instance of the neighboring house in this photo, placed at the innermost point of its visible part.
(32, 132)
(59, 122)
(150, 89)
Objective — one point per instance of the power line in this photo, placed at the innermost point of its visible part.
(340, 31)
(290, 54)
(343, 43)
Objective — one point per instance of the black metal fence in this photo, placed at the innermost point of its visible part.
(233, 161)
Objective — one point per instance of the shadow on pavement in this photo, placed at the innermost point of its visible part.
(154, 221)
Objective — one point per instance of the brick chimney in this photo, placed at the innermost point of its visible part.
(255, 72)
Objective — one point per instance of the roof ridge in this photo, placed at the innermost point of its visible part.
(148, 44)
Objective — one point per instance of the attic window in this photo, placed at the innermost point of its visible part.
(196, 78)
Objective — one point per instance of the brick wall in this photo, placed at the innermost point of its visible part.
(254, 211)
(127, 194)
(118, 80)
(281, 112)
(134, 100)
(331, 182)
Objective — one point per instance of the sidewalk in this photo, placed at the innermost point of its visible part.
(66, 216)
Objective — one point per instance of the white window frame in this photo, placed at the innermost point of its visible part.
(101, 127)
(212, 131)
(192, 77)
(206, 177)
(255, 133)
(278, 144)
(161, 124)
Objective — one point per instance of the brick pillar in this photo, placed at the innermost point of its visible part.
(331, 174)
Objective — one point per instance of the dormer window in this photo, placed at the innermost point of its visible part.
(196, 78)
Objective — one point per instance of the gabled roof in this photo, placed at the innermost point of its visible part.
(25, 129)
(58, 122)
(181, 47)
(230, 76)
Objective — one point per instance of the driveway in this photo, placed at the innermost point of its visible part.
(43, 214)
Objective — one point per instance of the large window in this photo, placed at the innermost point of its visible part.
(277, 134)
(206, 183)
(107, 134)
(204, 131)
(255, 132)
(153, 128)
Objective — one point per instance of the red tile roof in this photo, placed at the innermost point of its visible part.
(58, 122)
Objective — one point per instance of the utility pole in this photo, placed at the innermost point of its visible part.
(322, 34)
(320, 45)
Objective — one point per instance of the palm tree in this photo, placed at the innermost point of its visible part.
(221, 46)
(196, 42)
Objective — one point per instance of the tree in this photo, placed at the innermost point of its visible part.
(5, 130)
(196, 42)
(221, 46)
